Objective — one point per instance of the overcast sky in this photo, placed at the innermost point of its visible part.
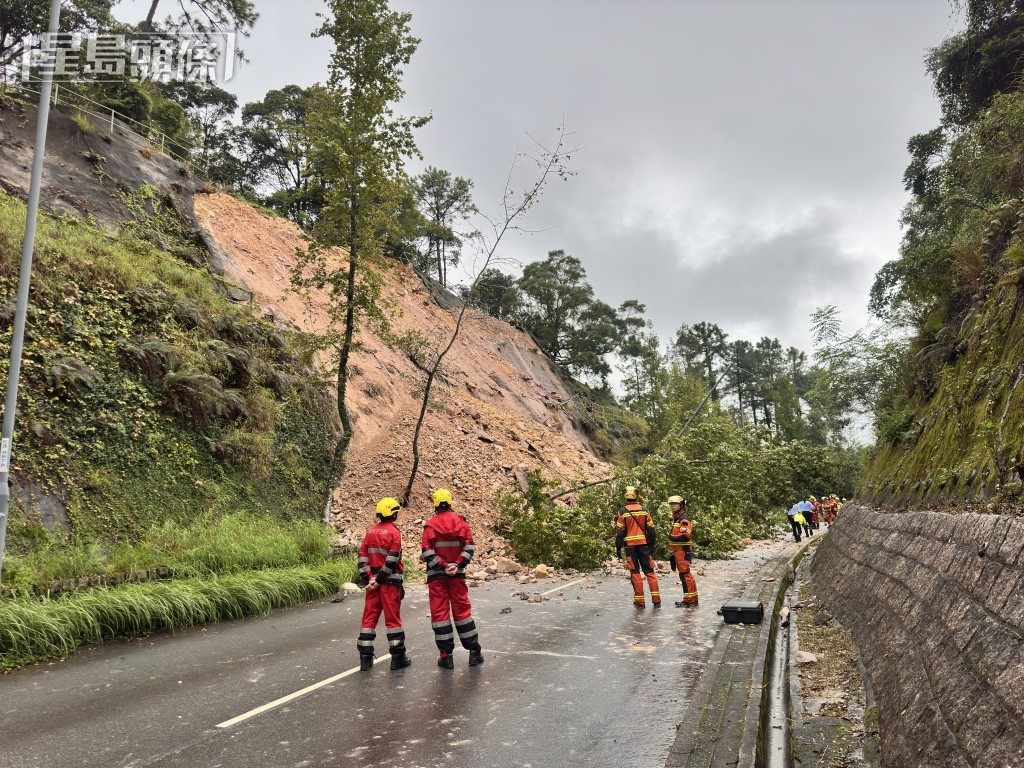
(742, 158)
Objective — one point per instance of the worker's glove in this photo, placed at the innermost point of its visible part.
(672, 562)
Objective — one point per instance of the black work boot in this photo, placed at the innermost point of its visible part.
(446, 661)
(400, 661)
(365, 662)
(476, 658)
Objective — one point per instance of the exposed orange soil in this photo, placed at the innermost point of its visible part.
(499, 403)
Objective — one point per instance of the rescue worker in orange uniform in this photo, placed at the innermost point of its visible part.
(634, 529)
(381, 569)
(447, 550)
(680, 544)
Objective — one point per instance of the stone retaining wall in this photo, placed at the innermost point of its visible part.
(935, 605)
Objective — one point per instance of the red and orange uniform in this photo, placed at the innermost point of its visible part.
(380, 559)
(634, 529)
(447, 540)
(680, 544)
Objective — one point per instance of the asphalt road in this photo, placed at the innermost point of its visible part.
(581, 678)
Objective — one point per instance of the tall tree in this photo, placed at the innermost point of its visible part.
(768, 370)
(558, 292)
(740, 377)
(359, 146)
(495, 293)
(986, 59)
(550, 163)
(209, 107)
(277, 146)
(21, 18)
(446, 203)
(576, 330)
(205, 16)
(644, 377)
(703, 348)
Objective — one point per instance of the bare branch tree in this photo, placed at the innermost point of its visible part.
(551, 163)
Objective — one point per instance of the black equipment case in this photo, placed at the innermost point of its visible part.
(742, 612)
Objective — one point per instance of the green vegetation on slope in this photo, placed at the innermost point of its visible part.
(147, 396)
(952, 425)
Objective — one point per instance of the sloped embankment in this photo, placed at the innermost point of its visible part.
(498, 410)
(966, 442)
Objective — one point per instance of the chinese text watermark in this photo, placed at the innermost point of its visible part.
(201, 57)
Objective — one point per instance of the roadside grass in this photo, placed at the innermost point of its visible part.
(206, 547)
(40, 629)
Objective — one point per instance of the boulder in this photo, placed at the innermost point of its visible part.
(349, 588)
(803, 657)
(541, 571)
(506, 565)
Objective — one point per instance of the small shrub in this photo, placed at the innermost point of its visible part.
(82, 123)
(71, 376)
(153, 358)
(200, 400)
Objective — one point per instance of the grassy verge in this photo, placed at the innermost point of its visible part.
(206, 547)
(36, 630)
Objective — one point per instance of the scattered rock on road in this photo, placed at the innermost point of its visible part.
(803, 657)
(506, 565)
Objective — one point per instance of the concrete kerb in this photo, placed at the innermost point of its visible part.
(751, 747)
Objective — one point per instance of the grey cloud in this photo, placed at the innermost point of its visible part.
(739, 155)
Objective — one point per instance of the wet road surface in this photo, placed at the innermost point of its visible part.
(580, 677)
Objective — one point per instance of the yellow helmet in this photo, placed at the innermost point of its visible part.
(442, 496)
(675, 499)
(811, 498)
(388, 507)
(630, 494)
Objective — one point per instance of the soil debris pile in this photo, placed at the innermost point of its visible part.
(497, 412)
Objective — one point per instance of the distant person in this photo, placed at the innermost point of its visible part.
(634, 529)
(805, 508)
(680, 544)
(792, 515)
(381, 569)
(803, 523)
(815, 513)
(829, 507)
(447, 550)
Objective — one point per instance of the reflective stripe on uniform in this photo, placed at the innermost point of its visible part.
(438, 544)
(377, 550)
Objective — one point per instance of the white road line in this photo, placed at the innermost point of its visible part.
(286, 699)
(309, 689)
(563, 586)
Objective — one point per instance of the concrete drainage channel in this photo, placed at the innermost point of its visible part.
(785, 736)
(774, 738)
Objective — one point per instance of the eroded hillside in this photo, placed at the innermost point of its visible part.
(499, 408)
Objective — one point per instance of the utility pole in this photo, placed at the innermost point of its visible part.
(25, 275)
